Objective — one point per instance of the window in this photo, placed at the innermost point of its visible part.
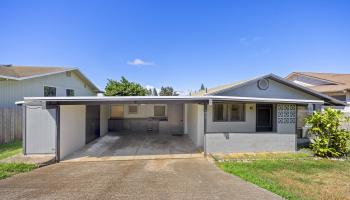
(117, 111)
(132, 109)
(228, 112)
(159, 111)
(68, 74)
(49, 91)
(69, 92)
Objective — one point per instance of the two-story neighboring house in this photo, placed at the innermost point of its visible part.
(331, 84)
(17, 82)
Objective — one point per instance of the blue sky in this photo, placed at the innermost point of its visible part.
(179, 43)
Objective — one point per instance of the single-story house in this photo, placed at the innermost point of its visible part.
(17, 82)
(256, 115)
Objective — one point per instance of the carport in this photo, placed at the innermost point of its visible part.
(85, 128)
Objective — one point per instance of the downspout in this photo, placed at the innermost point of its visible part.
(205, 129)
(58, 142)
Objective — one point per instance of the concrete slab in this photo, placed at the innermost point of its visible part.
(136, 146)
(137, 179)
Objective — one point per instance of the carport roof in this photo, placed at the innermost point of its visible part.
(157, 99)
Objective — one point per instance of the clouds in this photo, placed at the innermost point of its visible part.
(249, 40)
(139, 62)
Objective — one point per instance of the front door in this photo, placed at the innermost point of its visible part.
(264, 117)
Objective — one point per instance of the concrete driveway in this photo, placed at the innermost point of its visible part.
(139, 179)
(136, 145)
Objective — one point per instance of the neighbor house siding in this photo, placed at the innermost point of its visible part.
(12, 91)
(72, 128)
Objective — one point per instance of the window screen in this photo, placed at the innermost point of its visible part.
(69, 92)
(159, 111)
(117, 111)
(228, 112)
(49, 91)
(132, 109)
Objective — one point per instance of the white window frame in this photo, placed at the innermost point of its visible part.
(228, 112)
(160, 105)
(50, 87)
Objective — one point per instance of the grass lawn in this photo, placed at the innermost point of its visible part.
(299, 178)
(10, 169)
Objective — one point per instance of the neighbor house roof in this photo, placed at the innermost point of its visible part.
(222, 88)
(336, 82)
(18, 73)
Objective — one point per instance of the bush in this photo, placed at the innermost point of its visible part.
(331, 140)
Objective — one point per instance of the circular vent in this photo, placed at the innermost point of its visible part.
(263, 84)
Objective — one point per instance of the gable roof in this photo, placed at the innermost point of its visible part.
(19, 73)
(223, 88)
(337, 82)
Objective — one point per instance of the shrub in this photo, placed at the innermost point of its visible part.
(331, 140)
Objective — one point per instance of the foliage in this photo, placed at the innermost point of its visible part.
(10, 149)
(167, 91)
(124, 88)
(202, 87)
(10, 169)
(331, 139)
(155, 93)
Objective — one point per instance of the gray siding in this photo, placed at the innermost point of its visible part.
(275, 90)
(12, 91)
(249, 142)
(40, 130)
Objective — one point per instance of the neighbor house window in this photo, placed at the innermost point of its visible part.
(69, 92)
(117, 111)
(68, 74)
(159, 111)
(228, 112)
(49, 91)
(132, 109)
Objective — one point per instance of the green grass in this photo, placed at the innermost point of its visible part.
(10, 169)
(296, 179)
(10, 149)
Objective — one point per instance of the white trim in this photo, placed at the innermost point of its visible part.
(166, 98)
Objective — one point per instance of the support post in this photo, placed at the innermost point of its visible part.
(205, 128)
(58, 142)
(24, 134)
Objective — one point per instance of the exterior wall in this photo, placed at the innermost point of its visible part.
(195, 123)
(12, 91)
(246, 126)
(104, 115)
(40, 130)
(275, 90)
(144, 110)
(249, 142)
(72, 128)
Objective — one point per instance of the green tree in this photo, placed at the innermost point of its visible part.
(202, 87)
(330, 138)
(124, 88)
(168, 91)
(149, 92)
(155, 93)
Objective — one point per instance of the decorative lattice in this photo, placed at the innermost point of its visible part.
(286, 113)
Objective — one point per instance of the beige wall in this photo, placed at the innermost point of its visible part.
(246, 126)
(72, 128)
(144, 110)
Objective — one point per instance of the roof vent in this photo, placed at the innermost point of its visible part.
(263, 84)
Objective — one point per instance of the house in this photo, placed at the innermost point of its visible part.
(256, 115)
(334, 85)
(17, 82)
